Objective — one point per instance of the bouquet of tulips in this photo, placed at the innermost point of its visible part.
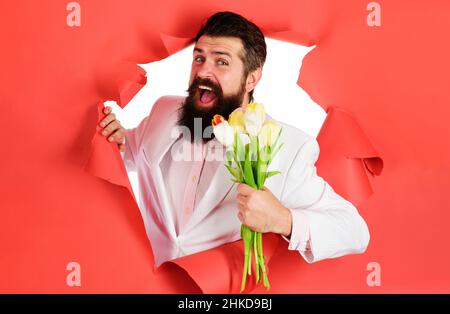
(251, 143)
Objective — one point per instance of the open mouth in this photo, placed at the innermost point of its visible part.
(206, 95)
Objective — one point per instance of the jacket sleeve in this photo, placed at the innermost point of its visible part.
(133, 141)
(324, 224)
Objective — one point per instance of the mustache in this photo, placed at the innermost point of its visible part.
(205, 82)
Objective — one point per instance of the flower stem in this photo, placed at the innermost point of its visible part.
(255, 247)
(249, 249)
(262, 262)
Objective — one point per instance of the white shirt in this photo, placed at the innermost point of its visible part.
(176, 166)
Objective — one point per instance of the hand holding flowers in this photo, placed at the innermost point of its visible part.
(252, 144)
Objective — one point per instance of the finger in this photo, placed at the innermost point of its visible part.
(122, 147)
(111, 128)
(107, 110)
(117, 137)
(243, 217)
(243, 209)
(110, 117)
(240, 217)
(120, 136)
(241, 199)
(267, 190)
(245, 189)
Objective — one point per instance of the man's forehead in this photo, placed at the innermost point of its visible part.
(207, 44)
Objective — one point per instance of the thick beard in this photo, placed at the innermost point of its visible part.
(224, 105)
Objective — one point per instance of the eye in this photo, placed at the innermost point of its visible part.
(222, 62)
(198, 59)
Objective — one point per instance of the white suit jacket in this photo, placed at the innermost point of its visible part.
(335, 226)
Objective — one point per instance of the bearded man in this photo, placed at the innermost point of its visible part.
(188, 200)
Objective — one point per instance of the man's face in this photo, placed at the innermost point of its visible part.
(218, 60)
(217, 84)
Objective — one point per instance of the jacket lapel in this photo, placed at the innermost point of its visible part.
(157, 144)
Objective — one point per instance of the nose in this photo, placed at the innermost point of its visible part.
(205, 70)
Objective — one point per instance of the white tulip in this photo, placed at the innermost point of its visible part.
(245, 139)
(254, 118)
(224, 133)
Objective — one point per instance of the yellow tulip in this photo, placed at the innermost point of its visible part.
(236, 120)
(269, 133)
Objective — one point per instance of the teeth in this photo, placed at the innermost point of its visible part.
(205, 87)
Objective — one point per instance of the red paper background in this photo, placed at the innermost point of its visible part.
(393, 79)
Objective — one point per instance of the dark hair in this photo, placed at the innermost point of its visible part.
(229, 24)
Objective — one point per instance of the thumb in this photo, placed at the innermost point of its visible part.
(266, 189)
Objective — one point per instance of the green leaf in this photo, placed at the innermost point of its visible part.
(240, 148)
(258, 165)
(271, 173)
(264, 153)
(229, 156)
(262, 166)
(276, 140)
(252, 152)
(234, 172)
(264, 173)
(254, 147)
(275, 151)
(255, 173)
(239, 163)
(248, 171)
(258, 174)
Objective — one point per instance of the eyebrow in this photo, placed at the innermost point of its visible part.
(216, 52)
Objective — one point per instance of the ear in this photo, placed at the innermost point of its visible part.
(253, 79)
